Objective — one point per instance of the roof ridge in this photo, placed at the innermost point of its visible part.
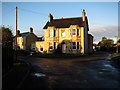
(67, 18)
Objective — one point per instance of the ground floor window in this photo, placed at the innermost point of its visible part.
(41, 48)
(54, 45)
(50, 46)
(73, 45)
(78, 45)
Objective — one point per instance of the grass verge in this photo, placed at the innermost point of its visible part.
(115, 54)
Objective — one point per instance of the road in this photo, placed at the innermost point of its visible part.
(94, 71)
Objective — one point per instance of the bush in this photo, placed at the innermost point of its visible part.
(7, 47)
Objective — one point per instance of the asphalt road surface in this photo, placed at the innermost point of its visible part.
(94, 71)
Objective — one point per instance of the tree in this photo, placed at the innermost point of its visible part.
(106, 43)
(7, 38)
(7, 47)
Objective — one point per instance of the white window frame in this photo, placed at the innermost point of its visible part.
(51, 33)
(73, 46)
(50, 45)
(72, 32)
(62, 35)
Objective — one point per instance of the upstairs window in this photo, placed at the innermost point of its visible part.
(51, 33)
(62, 33)
(78, 32)
(54, 33)
(73, 32)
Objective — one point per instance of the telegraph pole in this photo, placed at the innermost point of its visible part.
(16, 32)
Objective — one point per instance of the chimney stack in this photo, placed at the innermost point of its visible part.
(83, 15)
(31, 30)
(50, 17)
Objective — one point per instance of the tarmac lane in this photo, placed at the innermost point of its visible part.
(94, 71)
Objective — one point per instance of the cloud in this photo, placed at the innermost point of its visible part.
(39, 32)
(99, 31)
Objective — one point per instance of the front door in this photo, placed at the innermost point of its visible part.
(63, 48)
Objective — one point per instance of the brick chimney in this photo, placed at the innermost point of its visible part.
(83, 15)
(50, 17)
(31, 30)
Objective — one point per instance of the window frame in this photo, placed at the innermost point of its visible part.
(54, 33)
(62, 34)
(73, 46)
(50, 46)
(74, 32)
(50, 33)
(54, 45)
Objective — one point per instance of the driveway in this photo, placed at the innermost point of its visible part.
(94, 71)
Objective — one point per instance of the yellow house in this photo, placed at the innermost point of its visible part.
(26, 40)
(67, 35)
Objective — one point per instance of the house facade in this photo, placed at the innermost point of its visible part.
(26, 40)
(69, 35)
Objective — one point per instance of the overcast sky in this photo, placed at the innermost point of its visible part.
(102, 16)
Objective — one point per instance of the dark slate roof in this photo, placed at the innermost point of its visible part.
(66, 22)
(23, 34)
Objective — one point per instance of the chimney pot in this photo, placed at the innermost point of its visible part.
(50, 17)
(31, 30)
(83, 15)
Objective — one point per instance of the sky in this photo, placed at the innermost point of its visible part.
(102, 16)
